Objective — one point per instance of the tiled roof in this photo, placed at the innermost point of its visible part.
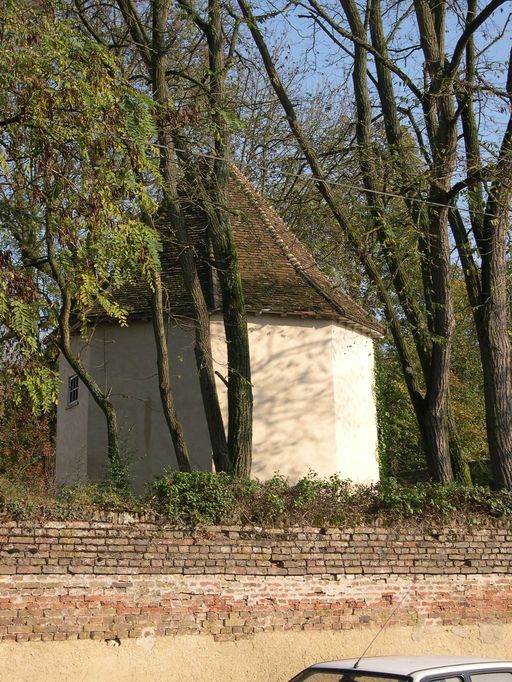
(279, 276)
(284, 274)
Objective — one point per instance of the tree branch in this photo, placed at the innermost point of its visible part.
(470, 29)
(134, 23)
(195, 16)
(369, 48)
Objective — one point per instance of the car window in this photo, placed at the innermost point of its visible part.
(498, 676)
(341, 676)
(451, 679)
(318, 676)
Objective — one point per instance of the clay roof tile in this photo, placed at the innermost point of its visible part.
(279, 276)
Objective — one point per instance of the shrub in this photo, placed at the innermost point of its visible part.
(198, 497)
(26, 442)
(204, 498)
(425, 500)
(210, 498)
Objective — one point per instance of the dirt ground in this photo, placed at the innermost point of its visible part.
(269, 657)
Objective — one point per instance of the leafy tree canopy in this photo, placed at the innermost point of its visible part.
(76, 172)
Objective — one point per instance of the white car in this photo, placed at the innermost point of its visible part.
(409, 669)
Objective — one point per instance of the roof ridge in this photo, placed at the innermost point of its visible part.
(260, 203)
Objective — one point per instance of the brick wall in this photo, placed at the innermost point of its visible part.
(119, 577)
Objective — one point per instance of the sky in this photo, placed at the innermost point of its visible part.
(325, 61)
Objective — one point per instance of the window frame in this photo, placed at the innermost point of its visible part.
(465, 675)
(73, 386)
(342, 671)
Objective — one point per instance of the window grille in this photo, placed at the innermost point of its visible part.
(73, 390)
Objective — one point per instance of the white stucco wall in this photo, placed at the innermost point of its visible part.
(291, 367)
(124, 359)
(314, 406)
(313, 401)
(355, 411)
(71, 439)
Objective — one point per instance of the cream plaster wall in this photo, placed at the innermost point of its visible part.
(266, 657)
(313, 401)
(71, 441)
(291, 363)
(355, 411)
(314, 405)
(124, 359)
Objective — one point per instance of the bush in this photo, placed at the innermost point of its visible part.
(212, 498)
(80, 501)
(205, 498)
(198, 497)
(27, 453)
(432, 500)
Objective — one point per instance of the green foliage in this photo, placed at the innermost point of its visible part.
(41, 383)
(311, 501)
(416, 500)
(18, 315)
(26, 436)
(202, 498)
(432, 500)
(99, 496)
(198, 497)
(263, 502)
(24, 502)
(118, 473)
(466, 378)
(400, 448)
(77, 168)
(191, 499)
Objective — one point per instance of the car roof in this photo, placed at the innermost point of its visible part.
(408, 665)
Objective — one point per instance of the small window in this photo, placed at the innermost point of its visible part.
(497, 676)
(73, 390)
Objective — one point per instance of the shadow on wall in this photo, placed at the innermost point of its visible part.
(291, 360)
(294, 397)
(126, 360)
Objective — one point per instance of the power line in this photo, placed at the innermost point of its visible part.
(344, 185)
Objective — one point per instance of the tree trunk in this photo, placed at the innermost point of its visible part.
(440, 118)
(360, 249)
(202, 344)
(164, 373)
(153, 54)
(490, 305)
(434, 422)
(495, 354)
(240, 400)
(118, 471)
(190, 276)
(494, 336)
(441, 324)
(460, 467)
(425, 348)
(488, 295)
(435, 437)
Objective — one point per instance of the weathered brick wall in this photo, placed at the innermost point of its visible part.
(118, 577)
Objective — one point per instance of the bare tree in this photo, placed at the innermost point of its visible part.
(433, 431)
(151, 46)
(427, 167)
(155, 42)
(213, 196)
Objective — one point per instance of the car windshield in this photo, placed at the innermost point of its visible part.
(333, 675)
